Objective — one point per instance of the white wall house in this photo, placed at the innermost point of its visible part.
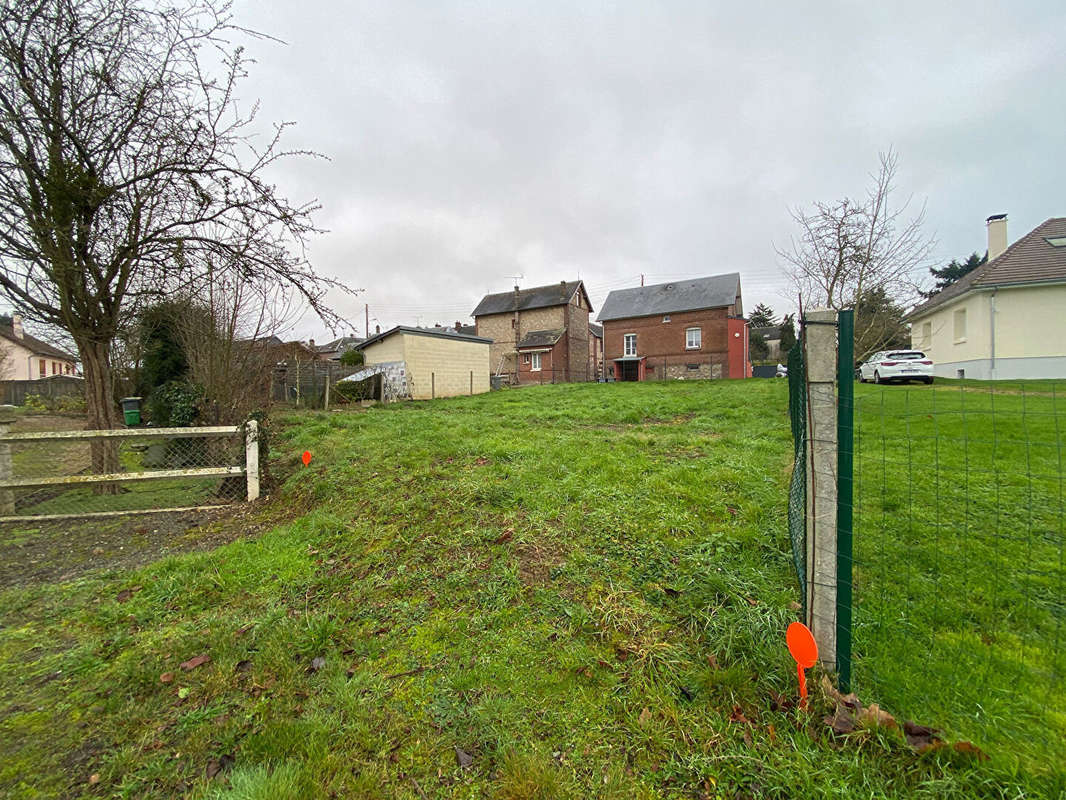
(26, 357)
(1007, 318)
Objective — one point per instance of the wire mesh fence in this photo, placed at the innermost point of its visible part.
(797, 488)
(959, 570)
(60, 472)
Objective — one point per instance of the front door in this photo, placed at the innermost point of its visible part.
(630, 370)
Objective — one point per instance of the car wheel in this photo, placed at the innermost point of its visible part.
(877, 377)
(928, 381)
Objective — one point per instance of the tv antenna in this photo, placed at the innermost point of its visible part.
(516, 278)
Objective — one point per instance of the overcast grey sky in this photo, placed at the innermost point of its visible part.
(470, 142)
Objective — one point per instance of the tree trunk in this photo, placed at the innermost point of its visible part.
(102, 413)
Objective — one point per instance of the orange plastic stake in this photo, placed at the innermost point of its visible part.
(804, 650)
(306, 457)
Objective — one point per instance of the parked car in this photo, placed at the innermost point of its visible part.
(897, 365)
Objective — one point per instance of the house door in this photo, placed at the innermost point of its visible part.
(630, 370)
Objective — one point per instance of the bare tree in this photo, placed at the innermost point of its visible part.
(860, 254)
(127, 171)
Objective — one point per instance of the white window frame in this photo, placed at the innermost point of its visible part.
(525, 358)
(666, 318)
(627, 340)
(534, 362)
(699, 338)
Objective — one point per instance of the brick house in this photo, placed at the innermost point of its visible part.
(595, 351)
(685, 329)
(539, 335)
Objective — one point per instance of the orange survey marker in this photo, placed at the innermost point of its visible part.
(804, 649)
(306, 457)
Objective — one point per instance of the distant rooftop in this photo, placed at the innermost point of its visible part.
(715, 291)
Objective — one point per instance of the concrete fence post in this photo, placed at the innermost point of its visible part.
(7, 496)
(251, 458)
(820, 336)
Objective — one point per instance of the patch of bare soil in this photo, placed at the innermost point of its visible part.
(45, 552)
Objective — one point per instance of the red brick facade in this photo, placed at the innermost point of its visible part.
(663, 346)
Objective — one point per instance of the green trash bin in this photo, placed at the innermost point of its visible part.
(131, 410)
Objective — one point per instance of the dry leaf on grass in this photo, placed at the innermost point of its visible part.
(193, 663)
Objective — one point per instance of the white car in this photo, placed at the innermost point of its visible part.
(897, 365)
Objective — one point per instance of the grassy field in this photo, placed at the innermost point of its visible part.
(960, 573)
(563, 591)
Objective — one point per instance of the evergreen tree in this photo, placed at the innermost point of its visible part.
(945, 276)
(762, 316)
(788, 333)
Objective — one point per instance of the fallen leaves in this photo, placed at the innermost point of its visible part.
(195, 662)
(463, 758)
(166, 677)
(217, 765)
(644, 718)
(850, 716)
(126, 594)
(506, 536)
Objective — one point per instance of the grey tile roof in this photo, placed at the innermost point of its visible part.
(558, 294)
(770, 333)
(596, 330)
(343, 343)
(670, 298)
(468, 330)
(1031, 259)
(541, 338)
(38, 347)
(444, 333)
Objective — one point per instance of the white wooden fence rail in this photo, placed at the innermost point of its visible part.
(9, 482)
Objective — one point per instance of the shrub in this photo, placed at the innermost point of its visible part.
(352, 358)
(175, 404)
(64, 404)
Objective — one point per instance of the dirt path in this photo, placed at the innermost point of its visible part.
(43, 552)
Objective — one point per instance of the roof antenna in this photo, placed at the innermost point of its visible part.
(516, 279)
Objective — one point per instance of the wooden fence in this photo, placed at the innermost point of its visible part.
(13, 393)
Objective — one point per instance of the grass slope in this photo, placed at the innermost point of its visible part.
(565, 591)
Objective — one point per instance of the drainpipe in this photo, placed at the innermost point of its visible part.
(992, 329)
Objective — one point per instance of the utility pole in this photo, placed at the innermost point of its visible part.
(642, 279)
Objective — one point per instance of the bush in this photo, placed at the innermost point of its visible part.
(175, 404)
(352, 358)
(64, 404)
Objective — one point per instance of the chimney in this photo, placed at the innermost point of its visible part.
(458, 326)
(997, 235)
(16, 325)
(311, 343)
(436, 324)
(377, 329)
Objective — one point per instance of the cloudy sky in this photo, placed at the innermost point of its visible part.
(471, 142)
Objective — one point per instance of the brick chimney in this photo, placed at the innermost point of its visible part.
(997, 235)
(16, 326)
(458, 326)
(377, 329)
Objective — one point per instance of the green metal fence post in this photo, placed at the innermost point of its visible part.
(845, 477)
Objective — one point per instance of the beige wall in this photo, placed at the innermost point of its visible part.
(388, 349)
(436, 367)
(20, 364)
(1029, 325)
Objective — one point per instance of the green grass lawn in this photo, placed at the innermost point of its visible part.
(960, 573)
(562, 591)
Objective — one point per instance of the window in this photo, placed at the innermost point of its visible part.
(666, 318)
(960, 325)
(927, 334)
(693, 338)
(525, 358)
(535, 362)
(43, 366)
(630, 344)
(55, 368)
(1056, 241)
